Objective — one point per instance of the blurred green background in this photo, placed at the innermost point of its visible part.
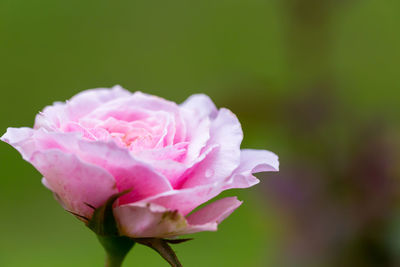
(316, 81)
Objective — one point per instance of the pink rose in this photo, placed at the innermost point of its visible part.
(173, 157)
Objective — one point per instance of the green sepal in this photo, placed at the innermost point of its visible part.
(162, 248)
(103, 224)
(103, 220)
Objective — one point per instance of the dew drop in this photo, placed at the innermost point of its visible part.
(209, 173)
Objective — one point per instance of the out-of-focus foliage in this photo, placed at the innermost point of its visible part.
(315, 81)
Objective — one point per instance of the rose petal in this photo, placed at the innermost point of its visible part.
(151, 220)
(20, 139)
(81, 104)
(258, 161)
(148, 220)
(185, 200)
(86, 101)
(215, 212)
(210, 176)
(219, 164)
(139, 106)
(252, 161)
(197, 111)
(73, 181)
(46, 184)
(155, 103)
(201, 105)
(129, 172)
(52, 117)
(198, 136)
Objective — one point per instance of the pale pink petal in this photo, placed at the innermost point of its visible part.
(168, 168)
(185, 200)
(226, 132)
(73, 181)
(197, 111)
(120, 109)
(258, 161)
(46, 184)
(252, 161)
(140, 106)
(189, 167)
(166, 161)
(53, 117)
(168, 135)
(129, 172)
(174, 152)
(155, 103)
(198, 136)
(215, 212)
(151, 220)
(20, 139)
(100, 95)
(209, 217)
(86, 101)
(148, 220)
(140, 179)
(66, 142)
(201, 105)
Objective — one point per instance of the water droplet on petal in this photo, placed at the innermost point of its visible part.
(209, 173)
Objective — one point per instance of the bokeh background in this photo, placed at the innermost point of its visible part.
(316, 81)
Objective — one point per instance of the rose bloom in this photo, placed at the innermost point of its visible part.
(172, 157)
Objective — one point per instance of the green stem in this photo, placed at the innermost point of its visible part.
(116, 247)
(113, 262)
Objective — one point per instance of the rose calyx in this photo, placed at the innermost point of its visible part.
(117, 246)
